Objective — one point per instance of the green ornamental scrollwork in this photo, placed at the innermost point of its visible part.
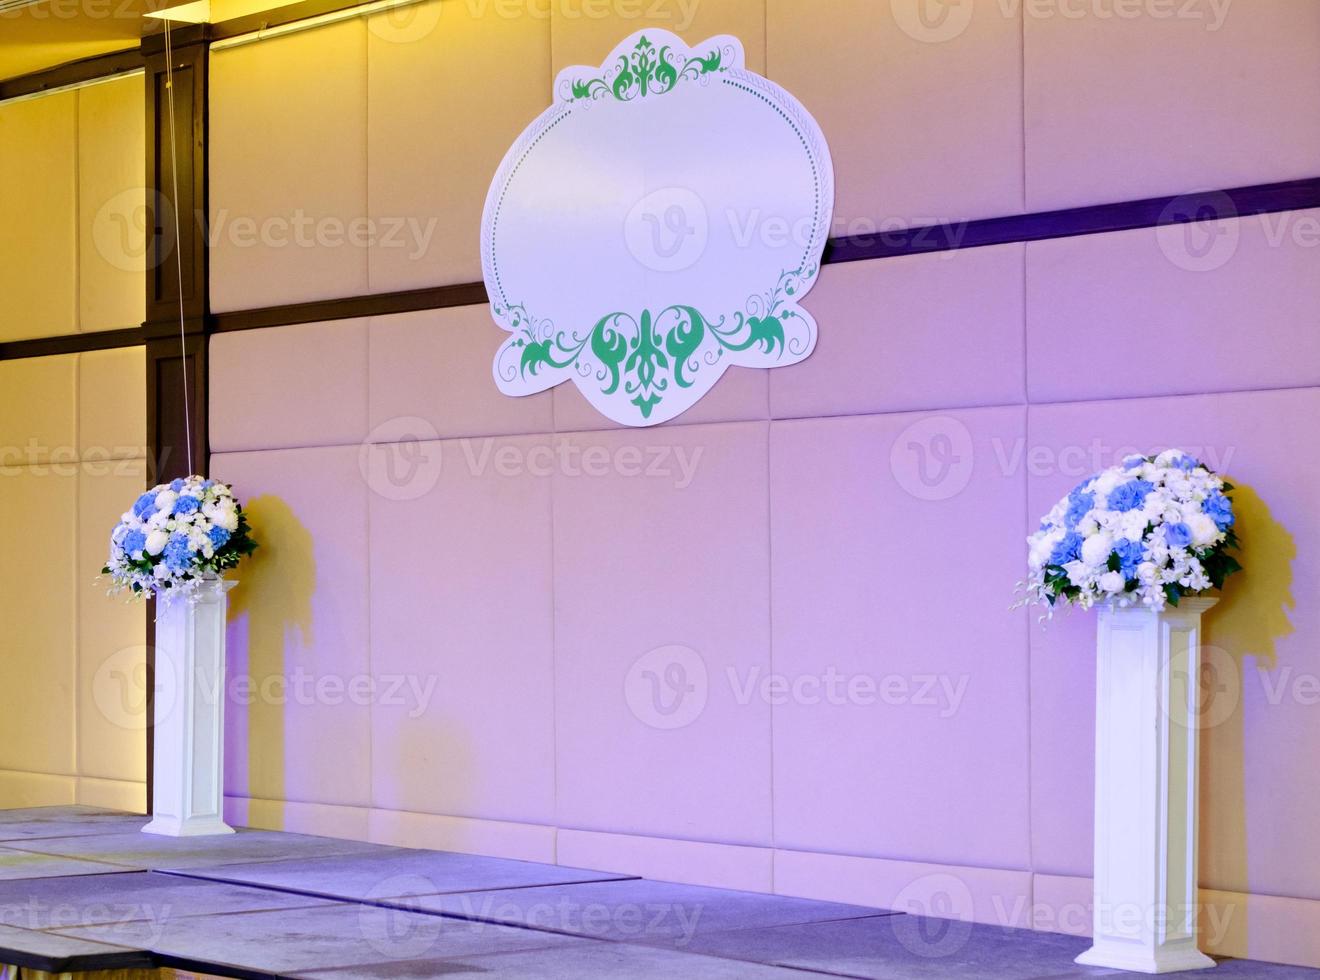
(647, 71)
(651, 355)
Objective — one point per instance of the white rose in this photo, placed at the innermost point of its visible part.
(165, 501)
(1112, 582)
(156, 542)
(1106, 482)
(1096, 549)
(1204, 530)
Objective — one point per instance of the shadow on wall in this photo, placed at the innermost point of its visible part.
(1249, 620)
(272, 601)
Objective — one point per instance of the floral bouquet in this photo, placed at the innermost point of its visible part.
(1148, 531)
(176, 536)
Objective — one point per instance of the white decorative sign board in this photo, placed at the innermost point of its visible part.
(657, 224)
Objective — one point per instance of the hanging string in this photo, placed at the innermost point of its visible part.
(178, 244)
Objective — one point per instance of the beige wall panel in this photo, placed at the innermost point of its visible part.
(289, 168)
(112, 405)
(450, 86)
(585, 32)
(37, 703)
(39, 248)
(113, 794)
(112, 205)
(19, 789)
(924, 124)
(38, 411)
(112, 632)
(1141, 105)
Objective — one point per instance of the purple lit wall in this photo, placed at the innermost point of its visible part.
(768, 646)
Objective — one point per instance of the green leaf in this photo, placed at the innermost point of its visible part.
(1172, 593)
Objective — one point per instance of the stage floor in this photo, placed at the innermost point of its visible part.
(83, 890)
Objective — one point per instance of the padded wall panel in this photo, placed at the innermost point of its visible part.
(37, 612)
(288, 143)
(583, 34)
(300, 729)
(112, 217)
(112, 410)
(431, 378)
(289, 387)
(922, 331)
(112, 632)
(892, 715)
(39, 271)
(450, 86)
(38, 411)
(661, 604)
(1168, 98)
(1219, 305)
(922, 105)
(470, 730)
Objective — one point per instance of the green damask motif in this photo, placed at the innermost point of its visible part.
(647, 71)
(645, 354)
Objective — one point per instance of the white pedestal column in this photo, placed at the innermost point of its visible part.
(1146, 726)
(188, 772)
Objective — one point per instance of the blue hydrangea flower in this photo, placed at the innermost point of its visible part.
(176, 485)
(1129, 556)
(134, 541)
(1220, 509)
(1130, 495)
(1178, 535)
(1079, 504)
(218, 536)
(1186, 463)
(1132, 462)
(146, 504)
(1068, 549)
(178, 555)
(186, 505)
